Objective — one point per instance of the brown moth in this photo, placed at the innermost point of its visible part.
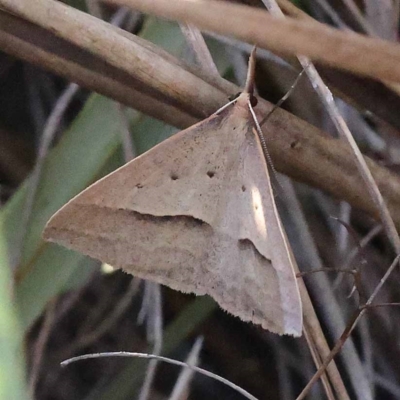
(196, 213)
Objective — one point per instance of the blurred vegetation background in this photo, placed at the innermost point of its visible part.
(57, 137)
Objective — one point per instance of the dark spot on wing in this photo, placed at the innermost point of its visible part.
(295, 144)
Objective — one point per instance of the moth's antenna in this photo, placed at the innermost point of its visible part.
(249, 88)
(262, 139)
(225, 106)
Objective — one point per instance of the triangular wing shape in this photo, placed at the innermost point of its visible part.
(195, 213)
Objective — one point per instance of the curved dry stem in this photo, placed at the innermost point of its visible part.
(165, 359)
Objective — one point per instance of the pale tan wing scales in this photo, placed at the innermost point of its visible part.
(184, 214)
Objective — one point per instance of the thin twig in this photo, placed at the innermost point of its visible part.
(165, 359)
(40, 345)
(317, 361)
(128, 146)
(196, 41)
(388, 384)
(355, 12)
(155, 332)
(338, 270)
(182, 384)
(377, 229)
(381, 305)
(331, 12)
(50, 129)
(323, 291)
(327, 99)
(349, 328)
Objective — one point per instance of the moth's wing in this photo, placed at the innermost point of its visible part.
(178, 215)
(262, 230)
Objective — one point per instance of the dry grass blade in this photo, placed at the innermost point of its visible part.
(152, 308)
(165, 359)
(181, 387)
(40, 345)
(198, 44)
(329, 304)
(344, 132)
(370, 57)
(50, 129)
(327, 99)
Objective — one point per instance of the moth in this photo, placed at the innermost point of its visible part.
(195, 213)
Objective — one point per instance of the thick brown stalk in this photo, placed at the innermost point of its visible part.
(297, 148)
(38, 46)
(372, 57)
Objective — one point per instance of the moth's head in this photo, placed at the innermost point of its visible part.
(248, 96)
(245, 98)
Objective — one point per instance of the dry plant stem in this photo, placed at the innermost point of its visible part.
(31, 43)
(315, 334)
(387, 384)
(329, 305)
(367, 346)
(181, 388)
(165, 359)
(128, 146)
(380, 59)
(155, 326)
(392, 89)
(355, 12)
(337, 270)
(40, 345)
(317, 361)
(295, 146)
(52, 43)
(46, 139)
(314, 77)
(350, 327)
(362, 167)
(196, 41)
(343, 233)
(344, 132)
(355, 251)
(161, 77)
(383, 305)
(331, 12)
